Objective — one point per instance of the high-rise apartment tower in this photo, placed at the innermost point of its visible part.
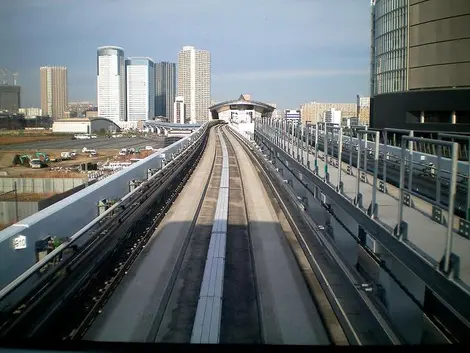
(54, 96)
(111, 83)
(194, 82)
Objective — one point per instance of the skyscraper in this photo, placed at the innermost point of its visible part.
(140, 89)
(420, 67)
(194, 82)
(111, 83)
(54, 96)
(165, 89)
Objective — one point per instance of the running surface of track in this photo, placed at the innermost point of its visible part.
(265, 297)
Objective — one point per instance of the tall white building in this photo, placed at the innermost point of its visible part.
(111, 83)
(194, 82)
(178, 111)
(140, 89)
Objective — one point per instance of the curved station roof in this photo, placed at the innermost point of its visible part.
(240, 104)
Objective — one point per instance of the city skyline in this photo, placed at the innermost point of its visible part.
(283, 45)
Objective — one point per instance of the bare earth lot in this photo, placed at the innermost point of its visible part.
(107, 149)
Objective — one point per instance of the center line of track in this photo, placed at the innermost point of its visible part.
(206, 328)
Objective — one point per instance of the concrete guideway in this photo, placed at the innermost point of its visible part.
(288, 313)
(129, 314)
(146, 306)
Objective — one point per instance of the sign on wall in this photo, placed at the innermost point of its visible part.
(19, 242)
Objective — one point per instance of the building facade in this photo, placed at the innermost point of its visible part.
(111, 83)
(313, 112)
(165, 89)
(140, 89)
(28, 112)
(10, 98)
(54, 91)
(293, 115)
(194, 82)
(178, 111)
(332, 116)
(420, 65)
(363, 110)
(78, 109)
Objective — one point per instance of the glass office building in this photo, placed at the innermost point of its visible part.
(390, 46)
(420, 65)
(111, 83)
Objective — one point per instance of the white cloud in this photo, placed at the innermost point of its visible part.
(288, 74)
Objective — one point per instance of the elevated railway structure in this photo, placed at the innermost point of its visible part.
(219, 239)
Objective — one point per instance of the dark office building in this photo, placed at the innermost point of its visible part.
(420, 70)
(165, 89)
(10, 98)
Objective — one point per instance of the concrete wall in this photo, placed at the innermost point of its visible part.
(402, 110)
(28, 208)
(69, 215)
(8, 210)
(40, 185)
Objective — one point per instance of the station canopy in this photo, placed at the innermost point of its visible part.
(242, 103)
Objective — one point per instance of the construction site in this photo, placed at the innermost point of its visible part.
(39, 170)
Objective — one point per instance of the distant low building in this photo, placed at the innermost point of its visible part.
(91, 113)
(293, 115)
(10, 98)
(85, 126)
(332, 116)
(30, 111)
(10, 121)
(350, 121)
(314, 111)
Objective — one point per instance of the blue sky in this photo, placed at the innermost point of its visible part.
(283, 51)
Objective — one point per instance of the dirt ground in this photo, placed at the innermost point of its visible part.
(59, 169)
(15, 138)
(6, 160)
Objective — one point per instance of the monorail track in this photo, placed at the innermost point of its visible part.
(179, 309)
(347, 315)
